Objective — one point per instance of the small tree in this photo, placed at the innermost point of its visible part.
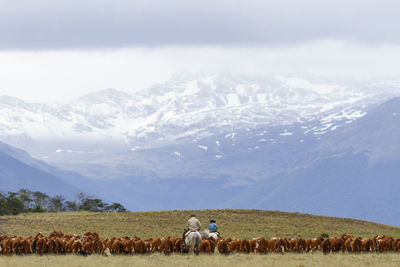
(71, 206)
(14, 204)
(3, 205)
(92, 204)
(26, 197)
(114, 207)
(41, 200)
(57, 204)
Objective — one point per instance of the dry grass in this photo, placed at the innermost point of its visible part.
(317, 259)
(234, 223)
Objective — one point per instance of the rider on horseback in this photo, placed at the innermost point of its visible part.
(191, 237)
(193, 226)
(193, 223)
(213, 227)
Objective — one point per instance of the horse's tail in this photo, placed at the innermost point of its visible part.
(199, 238)
(184, 240)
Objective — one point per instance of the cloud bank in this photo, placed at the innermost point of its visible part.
(77, 24)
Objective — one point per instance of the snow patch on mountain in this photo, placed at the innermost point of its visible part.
(186, 109)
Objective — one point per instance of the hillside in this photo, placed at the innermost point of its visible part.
(233, 223)
(15, 174)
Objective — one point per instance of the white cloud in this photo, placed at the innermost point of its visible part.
(64, 74)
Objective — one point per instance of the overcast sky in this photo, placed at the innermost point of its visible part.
(65, 48)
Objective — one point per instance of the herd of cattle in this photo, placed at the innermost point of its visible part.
(90, 243)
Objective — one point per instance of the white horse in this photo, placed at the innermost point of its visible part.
(192, 241)
(206, 233)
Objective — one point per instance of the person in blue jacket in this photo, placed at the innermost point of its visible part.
(213, 227)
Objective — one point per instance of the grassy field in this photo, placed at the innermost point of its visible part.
(234, 223)
(298, 260)
(243, 224)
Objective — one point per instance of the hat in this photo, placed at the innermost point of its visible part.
(192, 215)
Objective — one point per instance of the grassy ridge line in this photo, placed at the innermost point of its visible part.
(243, 224)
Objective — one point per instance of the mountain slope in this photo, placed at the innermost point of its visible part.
(343, 186)
(15, 175)
(376, 134)
(354, 173)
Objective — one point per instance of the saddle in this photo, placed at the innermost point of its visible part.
(187, 232)
(215, 232)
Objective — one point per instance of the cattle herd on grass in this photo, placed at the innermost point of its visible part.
(90, 243)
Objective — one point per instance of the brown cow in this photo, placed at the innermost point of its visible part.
(61, 245)
(348, 244)
(337, 244)
(326, 246)
(41, 245)
(88, 247)
(179, 246)
(367, 245)
(396, 244)
(17, 245)
(117, 247)
(297, 245)
(245, 246)
(110, 242)
(213, 244)
(27, 245)
(293, 245)
(234, 245)
(69, 246)
(205, 246)
(99, 246)
(129, 246)
(156, 245)
(262, 245)
(316, 244)
(382, 244)
(77, 246)
(52, 246)
(277, 245)
(222, 246)
(286, 244)
(356, 246)
(7, 246)
(303, 245)
(140, 247)
(167, 246)
(253, 244)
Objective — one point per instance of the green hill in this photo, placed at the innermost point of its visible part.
(233, 223)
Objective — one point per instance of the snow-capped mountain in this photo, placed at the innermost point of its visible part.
(182, 109)
(184, 122)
